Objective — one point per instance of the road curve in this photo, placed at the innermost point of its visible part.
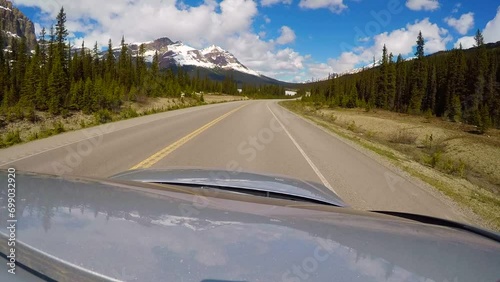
(257, 136)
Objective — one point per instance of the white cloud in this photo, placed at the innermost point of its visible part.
(399, 41)
(265, 3)
(466, 41)
(347, 61)
(263, 56)
(287, 35)
(227, 23)
(456, 8)
(364, 39)
(319, 70)
(491, 32)
(143, 20)
(417, 5)
(462, 24)
(336, 6)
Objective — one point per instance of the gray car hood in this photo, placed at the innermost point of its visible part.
(142, 232)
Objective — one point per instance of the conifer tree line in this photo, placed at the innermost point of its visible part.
(458, 85)
(60, 78)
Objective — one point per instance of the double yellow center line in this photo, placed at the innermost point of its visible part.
(172, 147)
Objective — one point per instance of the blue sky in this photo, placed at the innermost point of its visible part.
(293, 40)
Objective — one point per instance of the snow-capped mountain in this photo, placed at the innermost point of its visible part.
(177, 53)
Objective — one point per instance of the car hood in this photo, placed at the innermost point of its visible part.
(142, 232)
(234, 179)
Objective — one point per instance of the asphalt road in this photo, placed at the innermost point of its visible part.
(255, 136)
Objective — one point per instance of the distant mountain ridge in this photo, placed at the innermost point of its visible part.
(179, 54)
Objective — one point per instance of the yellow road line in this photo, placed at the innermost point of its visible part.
(172, 147)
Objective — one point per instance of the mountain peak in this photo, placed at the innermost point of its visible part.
(14, 24)
(177, 53)
(212, 49)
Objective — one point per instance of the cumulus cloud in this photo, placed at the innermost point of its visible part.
(491, 32)
(264, 56)
(265, 3)
(336, 6)
(399, 41)
(143, 20)
(319, 70)
(462, 24)
(427, 5)
(227, 23)
(287, 35)
(466, 41)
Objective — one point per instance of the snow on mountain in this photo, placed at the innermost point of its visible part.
(177, 53)
(5, 8)
(12, 34)
(185, 55)
(225, 60)
(212, 48)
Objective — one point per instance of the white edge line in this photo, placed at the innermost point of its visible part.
(309, 161)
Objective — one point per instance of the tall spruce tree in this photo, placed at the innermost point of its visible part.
(383, 80)
(391, 83)
(418, 77)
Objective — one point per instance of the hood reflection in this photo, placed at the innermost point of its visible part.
(150, 235)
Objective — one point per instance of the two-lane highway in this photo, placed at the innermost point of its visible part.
(256, 136)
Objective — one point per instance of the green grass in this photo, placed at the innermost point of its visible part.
(487, 207)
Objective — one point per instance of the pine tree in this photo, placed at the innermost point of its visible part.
(474, 98)
(60, 39)
(418, 77)
(56, 87)
(51, 49)
(123, 65)
(31, 80)
(141, 65)
(43, 46)
(96, 62)
(430, 95)
(155, 66)
(491, 96)
(478, 38)
(391, 83)
(399, 104)
(456, 89)
(383, 82)
(110, 62)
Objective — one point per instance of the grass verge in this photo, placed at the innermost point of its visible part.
(43, 125)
